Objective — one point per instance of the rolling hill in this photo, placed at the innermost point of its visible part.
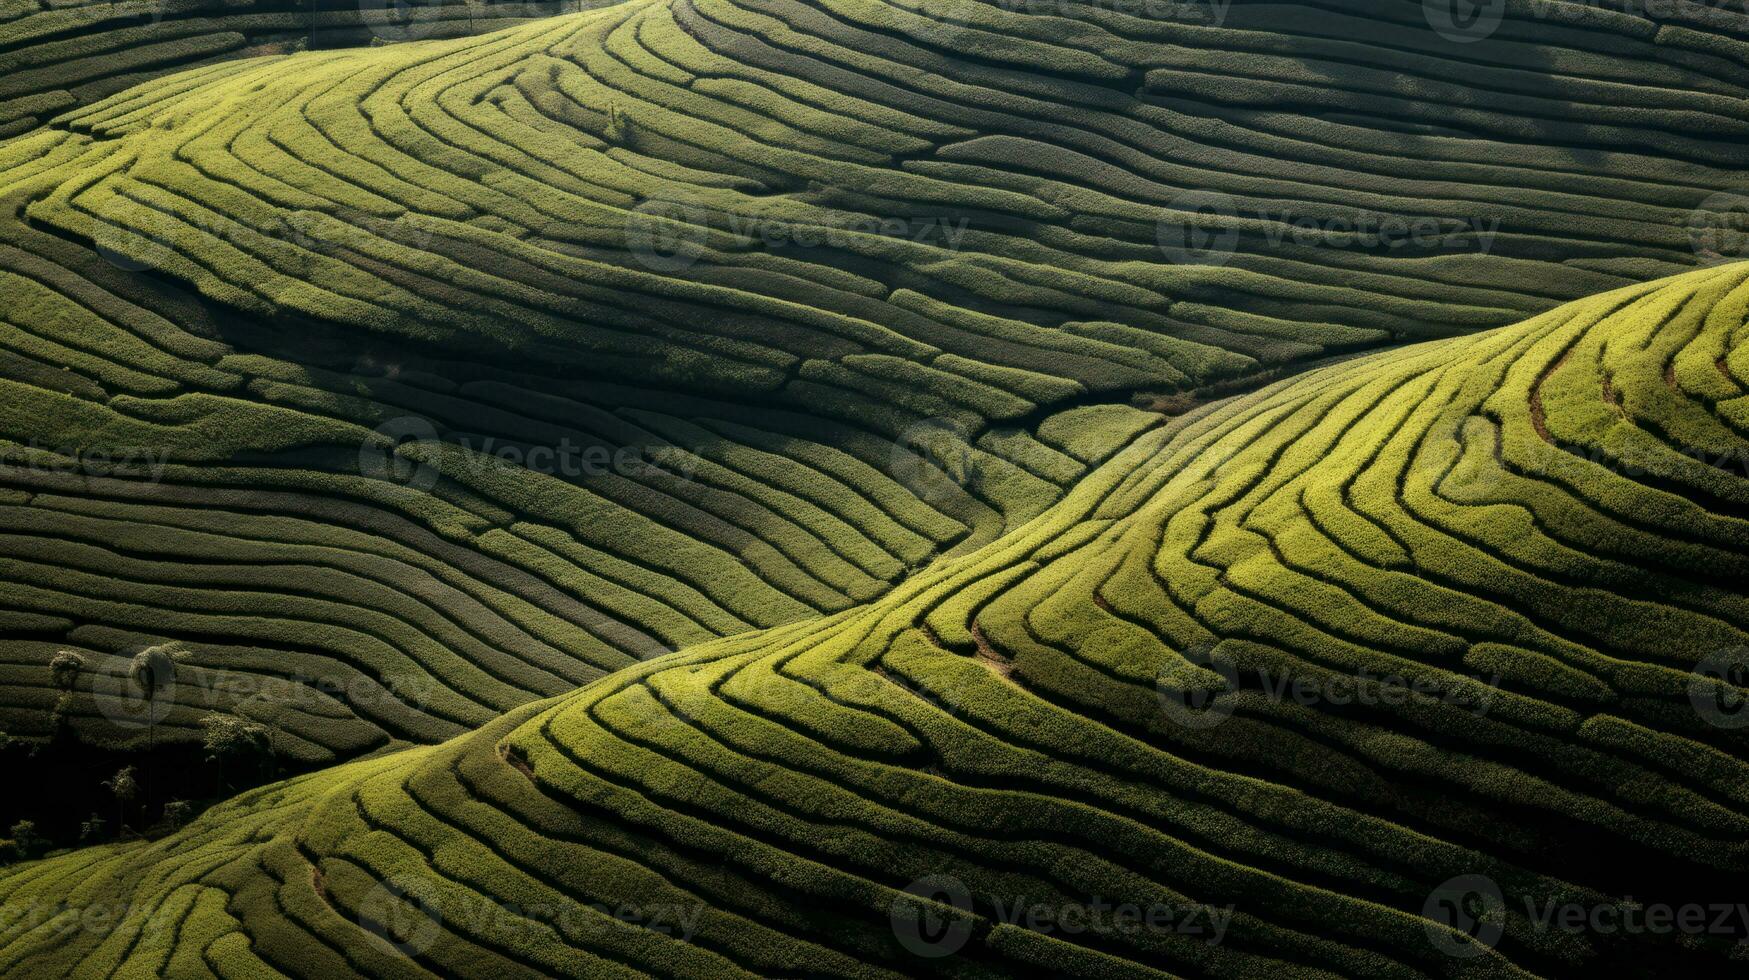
(794, 299)
(880, 488)
(1533, 537)
(59, 55)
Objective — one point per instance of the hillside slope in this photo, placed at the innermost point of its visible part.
(1539, 532)
(287, 336)
(60, 54)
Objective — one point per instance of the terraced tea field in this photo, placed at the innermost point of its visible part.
(841, 488)
(58, 55)
(1526, 506)
(545, 234)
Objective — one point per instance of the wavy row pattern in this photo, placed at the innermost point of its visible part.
(1513, 523)
(851, 285)
(59, 55)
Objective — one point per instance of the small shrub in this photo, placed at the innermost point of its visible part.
(91, 830)
(619, 125)
(177, 814)
(126, 787)
(64, 669)
(232, 743)
(26, 842)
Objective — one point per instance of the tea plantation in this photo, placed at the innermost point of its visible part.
(1510, 525)
(886, 488)
(797, 284)
(57, 55)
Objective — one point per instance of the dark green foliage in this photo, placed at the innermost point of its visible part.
(64, 668)
(239, 751)
(1013, 722)
(24, 843)
(851, 297)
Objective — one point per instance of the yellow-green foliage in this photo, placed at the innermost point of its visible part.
(849, 296)
(836, 277)
(780, 789)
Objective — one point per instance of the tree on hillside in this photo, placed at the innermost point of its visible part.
(619, 125)
(25, 843)
(126, 787)
(177, 814)
(91, 830)
(236, 745)
(152, 670)
(64, 669)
